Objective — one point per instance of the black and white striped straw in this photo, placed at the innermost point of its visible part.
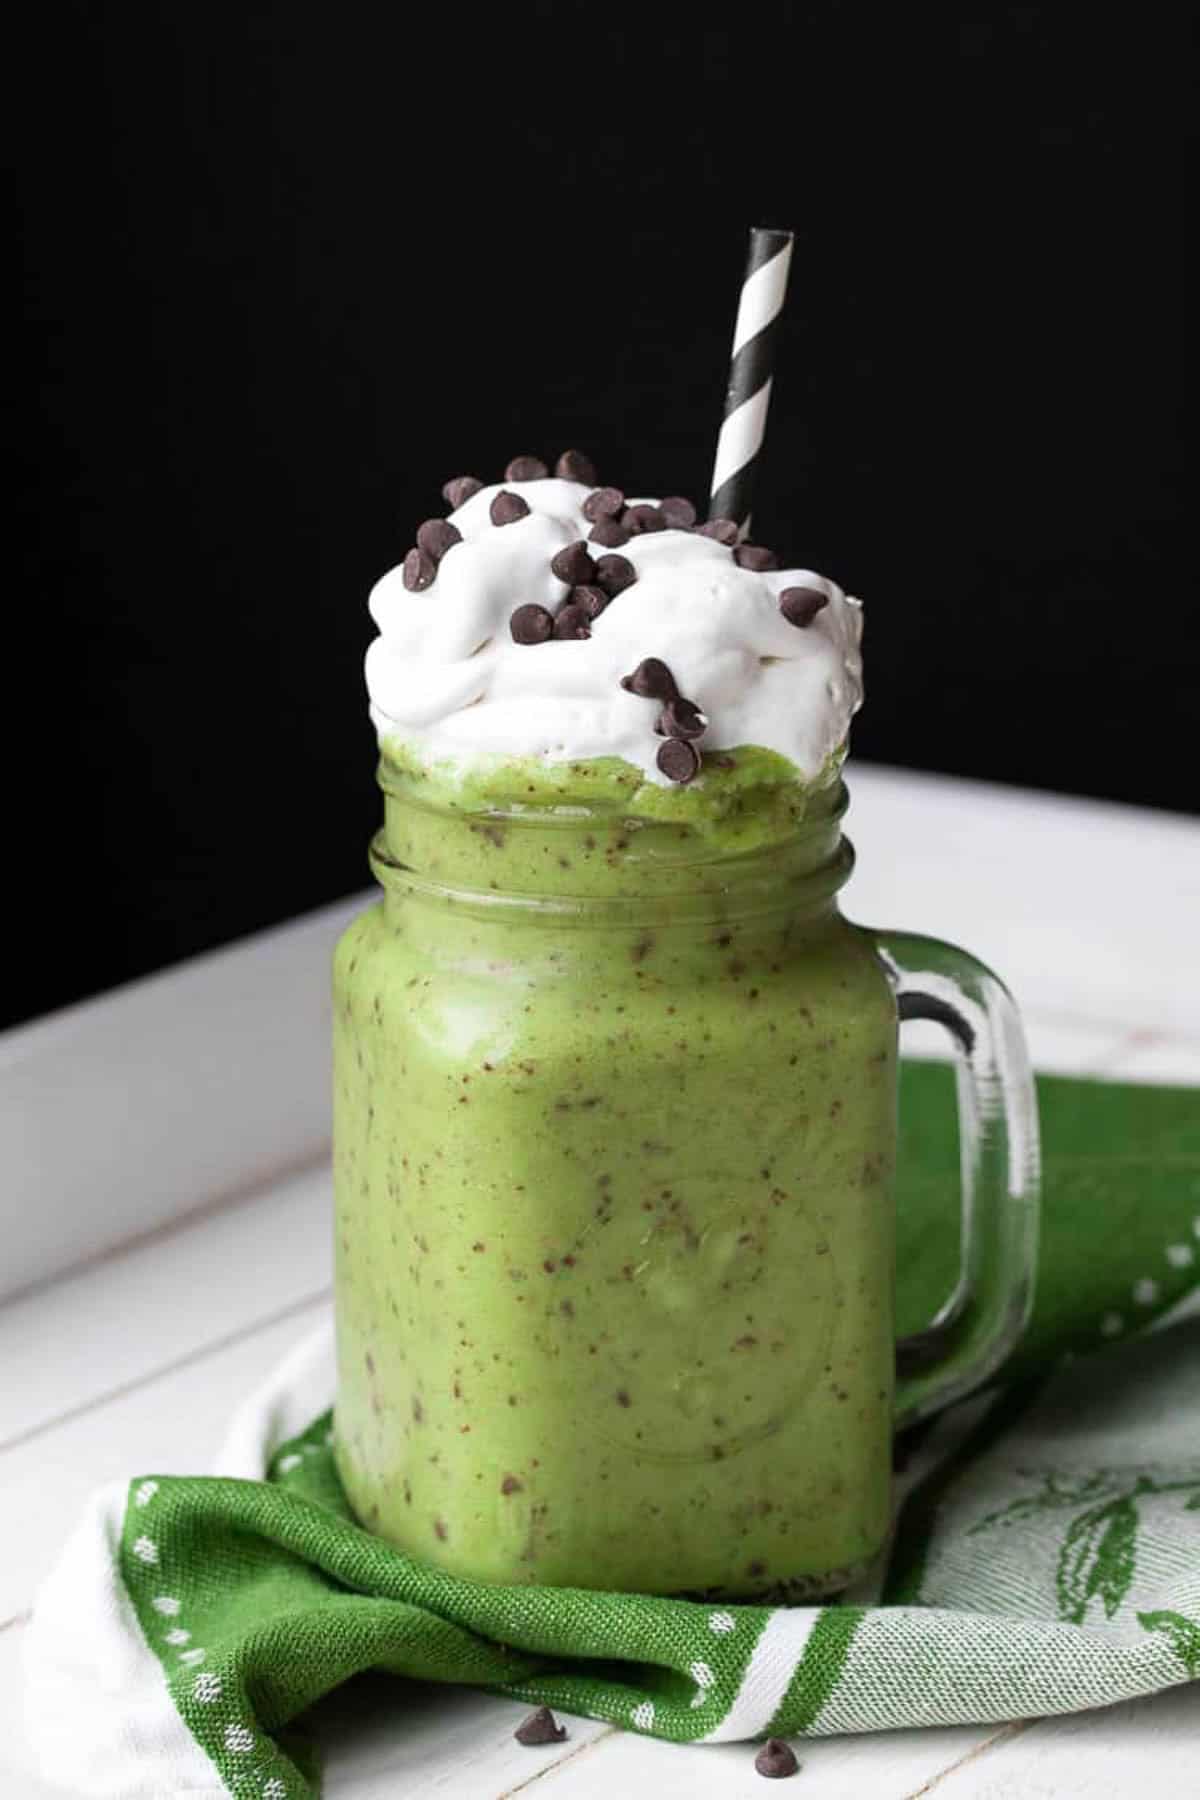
(748, 395)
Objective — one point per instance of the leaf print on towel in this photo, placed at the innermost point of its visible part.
(1183, 1633)
(1098, 1555)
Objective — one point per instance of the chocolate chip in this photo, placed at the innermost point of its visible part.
(506, 508)
(755, 557)
(526, 468)
(643, 518)
(436, 536)
(615, 574)
(603, 504)
(679, 761)
(724, 530)
(776, 1759)
(419, 571)
(573, 622)
(683, 719)
(541, 1727)
(457, 492)
(573, 565)
(652, 680)
(531, 625)
(573, 465)
(801, 605)
(679, 513)
(592, 599)
(608, 533)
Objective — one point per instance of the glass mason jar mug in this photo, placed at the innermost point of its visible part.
(615, 1125)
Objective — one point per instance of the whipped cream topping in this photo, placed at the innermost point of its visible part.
(445, 677)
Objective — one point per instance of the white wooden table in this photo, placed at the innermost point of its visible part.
(164, 1199)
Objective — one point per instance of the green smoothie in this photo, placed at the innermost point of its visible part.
(614, 1135)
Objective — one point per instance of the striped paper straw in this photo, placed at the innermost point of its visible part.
(748, 395)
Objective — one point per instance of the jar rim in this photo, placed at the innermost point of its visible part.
(758, 883)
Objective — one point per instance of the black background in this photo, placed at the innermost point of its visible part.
(287, 267)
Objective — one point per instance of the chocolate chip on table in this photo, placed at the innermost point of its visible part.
(436, 536)
(419, 571)
(526, 468)
(678, 760)
(724, 530)
(574, 564)
(800, 605)
(531, 625)
(541, 1727)
(592, 599)
(573, 622)
(776, 1759)
(683, 719)
(643, 518)
(458, 491)
(679, 514)
(609, 533)
(755, 557)
(604, 503)
(614, 574)
(573, 465)
(652, 680)
(507, 508)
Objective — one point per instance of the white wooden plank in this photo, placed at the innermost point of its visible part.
(457, 1744)
(128, 1111)
(875, 1766)
(1149, 1746)
(383, 1737)
(1158, 1059)
(172, 1424)
(1081, 907)
(70, 1343)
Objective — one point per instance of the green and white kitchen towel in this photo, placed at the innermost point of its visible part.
(1046, 1558)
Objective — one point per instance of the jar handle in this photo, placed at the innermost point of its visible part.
(982, 1319)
